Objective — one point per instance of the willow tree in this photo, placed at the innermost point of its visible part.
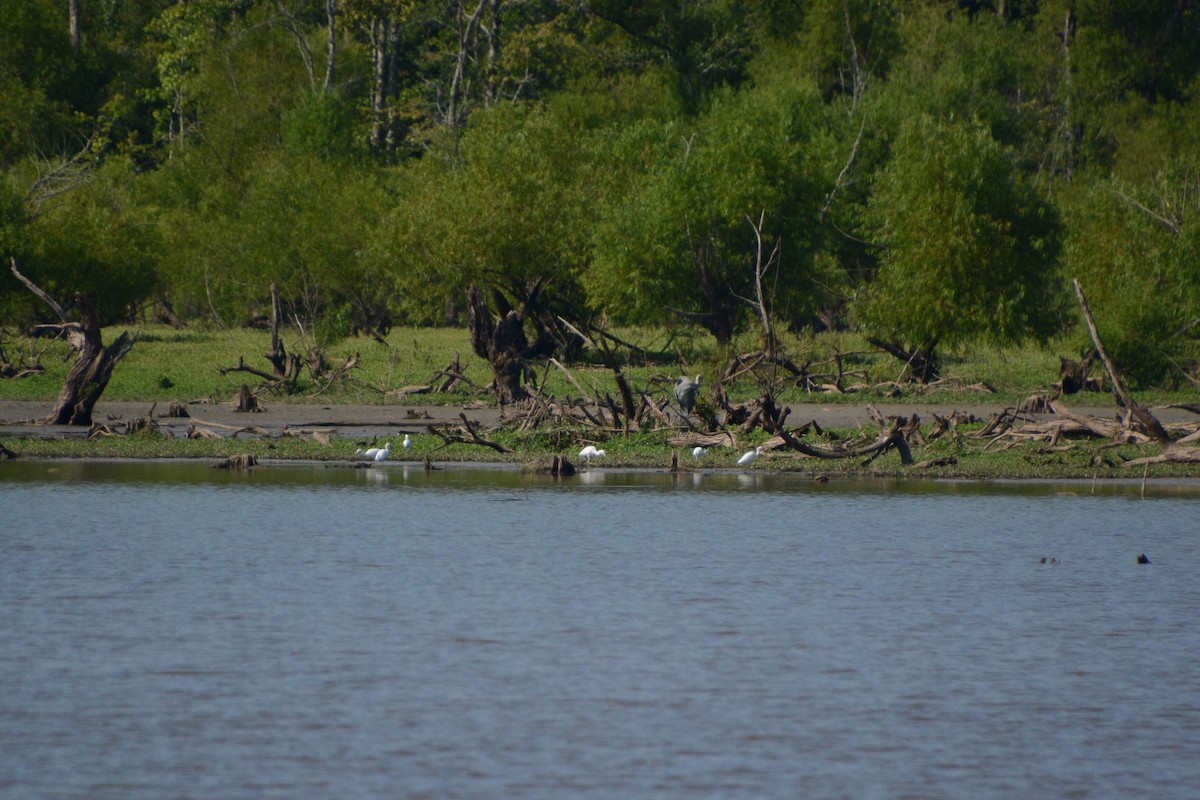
(677, 244)
(968, 249)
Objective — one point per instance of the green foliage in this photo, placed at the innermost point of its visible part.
(705, 44)
(300, 224)
(608, 157)
(510, 214)
(320, 124)
(90, 240)
(969, 249)
(683, 237)
(1136, 252)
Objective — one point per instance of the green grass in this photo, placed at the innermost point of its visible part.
(167, 364)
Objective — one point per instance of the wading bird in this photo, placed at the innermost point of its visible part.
(590, 452)
(749, 457)
(407, 442)
(384, 452)
(697, 452)
(369, 454)
(686, 390)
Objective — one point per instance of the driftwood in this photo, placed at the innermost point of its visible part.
(893, 437)
(1136, 424)
(469, 435)
(628, 412)
(320, 436)
(452, 375)
(242, 461)
(405, 391)
(285, 367)
(1171, 450)
(558, 466)
(200, 429)
(242, 366)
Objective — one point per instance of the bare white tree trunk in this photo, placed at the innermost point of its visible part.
(454, 104)
(73, 25)
(331, 48)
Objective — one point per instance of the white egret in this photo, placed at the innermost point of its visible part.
(685, 392)
(749, 457)
(384, 452)
(407, 442)
(697, 452)
(590, 452)
(367, 454)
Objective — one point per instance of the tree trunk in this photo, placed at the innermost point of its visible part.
(380, 40)
(491, 89)
(89, 375)
(73, 24)
(454, 113)
(921, 361)
(501, 343)
(94, 364)
(331, 12)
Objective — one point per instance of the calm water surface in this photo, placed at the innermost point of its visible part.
(174, 631)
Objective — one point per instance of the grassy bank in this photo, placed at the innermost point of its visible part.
(962, 455)
(167, 364)
(185, 365)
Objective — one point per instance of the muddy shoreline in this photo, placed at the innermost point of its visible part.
(20, 417)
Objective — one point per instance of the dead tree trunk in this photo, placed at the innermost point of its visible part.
(921, 361)
(501, 343)
(94, 363)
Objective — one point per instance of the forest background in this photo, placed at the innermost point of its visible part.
(927, 174)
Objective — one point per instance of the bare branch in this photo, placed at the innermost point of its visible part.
(1170, 224)
(33, 287)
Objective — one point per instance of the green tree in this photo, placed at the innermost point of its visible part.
(680, 241)
(512, 216)
(1136, 250)
(91, 240)
(968, 249)
(705, 43)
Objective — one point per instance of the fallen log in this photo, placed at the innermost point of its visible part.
(469, 435)
(893, 437)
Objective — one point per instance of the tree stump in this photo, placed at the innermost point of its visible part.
(245, 400)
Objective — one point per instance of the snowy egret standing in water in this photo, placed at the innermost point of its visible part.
(748, 457)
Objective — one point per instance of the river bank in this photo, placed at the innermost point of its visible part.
(335, 433)
(19, 418)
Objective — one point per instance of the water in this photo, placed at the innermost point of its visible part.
(174, 631)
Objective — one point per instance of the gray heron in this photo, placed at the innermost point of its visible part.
(685, 391)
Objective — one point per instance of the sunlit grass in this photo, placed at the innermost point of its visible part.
(185, 365)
